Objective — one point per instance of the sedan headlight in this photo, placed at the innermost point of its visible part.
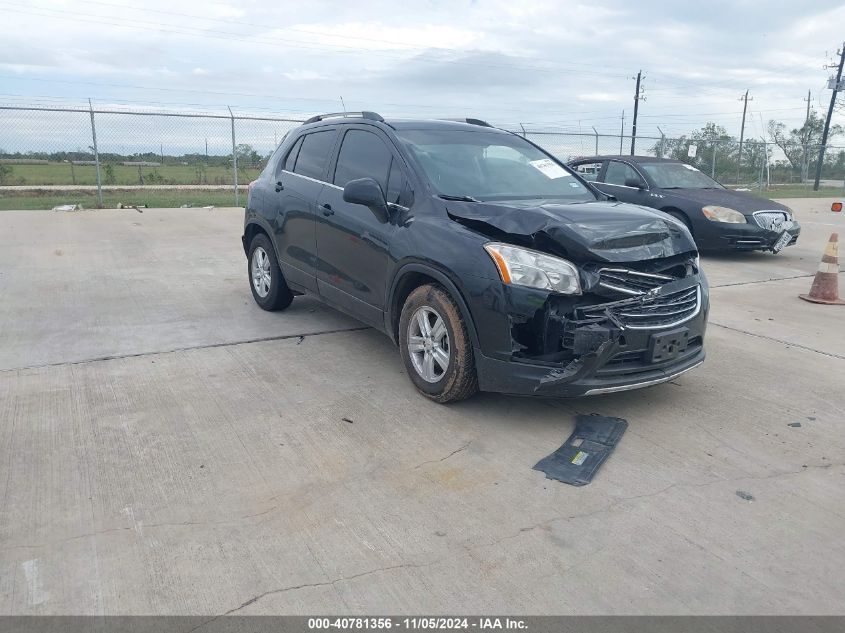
(723, 214)
(524, 267)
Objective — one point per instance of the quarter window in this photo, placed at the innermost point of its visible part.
(362, 155)
(617, 173)
(398, 189)
(290, 161)
(314, 154)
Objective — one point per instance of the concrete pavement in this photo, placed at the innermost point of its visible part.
(158, 458)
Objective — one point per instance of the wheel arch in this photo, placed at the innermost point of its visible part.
(253, 227)
(674, 210)
(411, 276)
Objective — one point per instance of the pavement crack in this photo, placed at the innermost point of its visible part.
(443, 459)
(307, 585)
(777, 340)
(762, 281)
(263, 339)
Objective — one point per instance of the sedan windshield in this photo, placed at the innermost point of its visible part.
(485, 165)
(678, 176)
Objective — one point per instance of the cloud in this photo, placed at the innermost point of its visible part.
(528, 61)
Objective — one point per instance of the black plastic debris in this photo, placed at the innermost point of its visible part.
(794, 424)
(747, 496)
(588, 447)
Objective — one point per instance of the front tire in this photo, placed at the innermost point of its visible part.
(268, 285)
(435, 346)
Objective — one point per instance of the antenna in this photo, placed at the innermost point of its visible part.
(342, 104)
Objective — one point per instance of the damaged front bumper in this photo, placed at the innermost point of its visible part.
(575, 346)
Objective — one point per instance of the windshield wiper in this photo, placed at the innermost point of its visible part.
(459, 198)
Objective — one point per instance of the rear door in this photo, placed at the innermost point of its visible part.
(300, 179)
(352, 242)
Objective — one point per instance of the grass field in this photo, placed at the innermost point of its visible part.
(225, 198)
(156, 199)
(114, 174)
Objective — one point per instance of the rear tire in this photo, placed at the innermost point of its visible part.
(435, 346)
(268, 285)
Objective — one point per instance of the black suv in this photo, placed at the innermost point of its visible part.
(490, 263)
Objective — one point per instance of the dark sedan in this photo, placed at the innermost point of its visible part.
(718, 218)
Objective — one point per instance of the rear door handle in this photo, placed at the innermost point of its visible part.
(327, 210)
(279, 186)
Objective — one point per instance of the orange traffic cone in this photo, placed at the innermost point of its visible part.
(825, 288)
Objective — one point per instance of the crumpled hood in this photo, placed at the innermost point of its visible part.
(589, 231)
(742, 201)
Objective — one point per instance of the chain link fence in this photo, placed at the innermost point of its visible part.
(94, 157)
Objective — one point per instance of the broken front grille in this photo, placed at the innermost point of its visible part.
(631, 282)
(647, 312)
(772, 220)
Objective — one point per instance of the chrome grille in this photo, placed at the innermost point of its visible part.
(772, 220)
(631, 282)
(643, 313)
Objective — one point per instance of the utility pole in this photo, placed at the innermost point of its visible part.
(622, 133)
(744, 99)
(637, 97)
(804, 164)
(837, 86)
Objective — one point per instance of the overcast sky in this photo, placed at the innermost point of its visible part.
(564, 63)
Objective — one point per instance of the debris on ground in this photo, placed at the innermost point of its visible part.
(187, 205)
(747, 496)
(794, 424)
(301, 338)
(348, 420)
(137, 207)
(591, 443)
(68, 207)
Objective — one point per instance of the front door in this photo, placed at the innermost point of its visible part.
(353, 242)
(618, 181)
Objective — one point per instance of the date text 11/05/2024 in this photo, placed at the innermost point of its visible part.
(417, 623)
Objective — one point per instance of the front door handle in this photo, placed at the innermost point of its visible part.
(279, 186)
(327, 209)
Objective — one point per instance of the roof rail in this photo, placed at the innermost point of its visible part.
(480, 122)
(372, 116)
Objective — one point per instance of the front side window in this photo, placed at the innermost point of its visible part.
(314, 154)
(362, 155)
(617, 173)
(679, 176)
(491, 165)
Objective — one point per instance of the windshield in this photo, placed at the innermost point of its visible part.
(482, 165)
(678, 176)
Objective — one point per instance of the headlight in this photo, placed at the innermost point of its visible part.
(524, 267)
(723, 214)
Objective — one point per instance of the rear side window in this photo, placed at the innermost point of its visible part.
(589, 171)
(617, 173)
(314, 154)
(362, 155)
(290, 161)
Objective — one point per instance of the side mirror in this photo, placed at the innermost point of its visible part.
(367, 192)
(636, 183)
